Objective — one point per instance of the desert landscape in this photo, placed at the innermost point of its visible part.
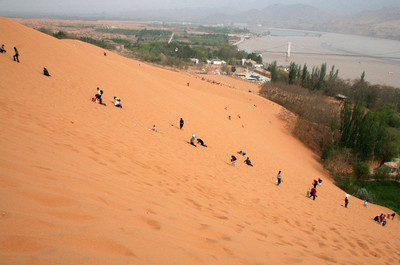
(83, 183)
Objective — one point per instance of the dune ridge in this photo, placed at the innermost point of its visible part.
(83, 183)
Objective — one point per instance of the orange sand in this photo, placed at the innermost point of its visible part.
(86, 184)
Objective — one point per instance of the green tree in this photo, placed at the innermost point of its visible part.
(367, 136)
(292, 73)
(351, 117)
(362, 77)
(274, 71)
(304, 76)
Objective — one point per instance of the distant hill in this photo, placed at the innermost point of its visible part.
(383, 23)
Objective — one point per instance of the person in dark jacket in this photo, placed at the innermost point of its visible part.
(46, 72)
(181, 122)
(199, 141)
(279, 178)
(233, 160)
(248, 162)
(3, 49)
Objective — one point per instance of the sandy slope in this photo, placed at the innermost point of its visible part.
(86, 184)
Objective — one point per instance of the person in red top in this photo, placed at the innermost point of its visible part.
(381, 218)
(313, 193)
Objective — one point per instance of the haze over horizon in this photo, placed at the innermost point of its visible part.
(71, 7)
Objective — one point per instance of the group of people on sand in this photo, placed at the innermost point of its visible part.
(313, 191)
(16, 57)
(98, 98)
(16, 52)
(382, 219)
(243, 153)
(194, 138)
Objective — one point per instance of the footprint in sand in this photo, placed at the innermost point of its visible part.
(153, 224)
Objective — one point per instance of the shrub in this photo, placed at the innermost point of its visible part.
(363, 194)
(361, 170)
(382, 173)
(347, 184)
(46, 31)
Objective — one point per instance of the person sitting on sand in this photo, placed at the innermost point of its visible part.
(384, 221)
(199, 141)
(279, 178)
(233, 160)
(319, 181)
(192, 140)
(154, 128)
(242, 152)
(46, 72)
(117, 102)
(376, 218)
(248, 162)
(3, 49)
(313, 193)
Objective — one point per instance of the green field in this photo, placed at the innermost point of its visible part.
(386, 193)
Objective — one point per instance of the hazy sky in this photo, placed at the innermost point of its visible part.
(96, 6)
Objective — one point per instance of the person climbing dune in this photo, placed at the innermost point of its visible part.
(248, 162)
(46, 72)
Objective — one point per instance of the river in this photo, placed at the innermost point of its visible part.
(351, 54)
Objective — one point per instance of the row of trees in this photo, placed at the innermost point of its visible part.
(373, 96)
(368, 123)
(371, 135)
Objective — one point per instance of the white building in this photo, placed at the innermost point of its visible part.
(194, 60)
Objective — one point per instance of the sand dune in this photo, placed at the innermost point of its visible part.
(83, 183)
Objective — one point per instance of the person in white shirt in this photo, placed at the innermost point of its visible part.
(117, 102)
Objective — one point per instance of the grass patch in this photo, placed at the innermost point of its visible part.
(385, 193)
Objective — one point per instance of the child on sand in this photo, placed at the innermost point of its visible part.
(248, 162)
(3, 49)
(117, 102)
(233, 160)
(393, 215)
(308, 192)
(46, 72)
(279, 178)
